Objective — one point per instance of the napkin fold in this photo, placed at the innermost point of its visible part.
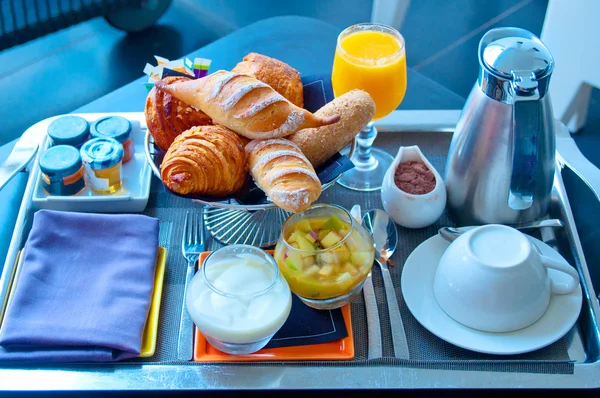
(84, 288)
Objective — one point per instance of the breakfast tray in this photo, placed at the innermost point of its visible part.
(573, 361)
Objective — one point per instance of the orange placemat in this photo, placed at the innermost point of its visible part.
(342, 349)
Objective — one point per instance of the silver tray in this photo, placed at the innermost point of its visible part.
(583, 340)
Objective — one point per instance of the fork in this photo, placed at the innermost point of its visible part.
(193, 243)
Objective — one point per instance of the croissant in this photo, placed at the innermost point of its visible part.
(280, 169)
(283, 78)
(167, 117)
(245, 105)
(205, 160)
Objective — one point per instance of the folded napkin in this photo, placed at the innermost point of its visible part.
(84, 288)
(306, 326)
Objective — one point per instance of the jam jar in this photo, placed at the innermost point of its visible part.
(69, 130)
(116, 127)
(102, 159)
(62, 171)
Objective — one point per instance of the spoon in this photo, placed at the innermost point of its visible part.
(385, 237)
(451, 233)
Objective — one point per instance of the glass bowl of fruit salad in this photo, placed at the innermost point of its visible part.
(325, 255)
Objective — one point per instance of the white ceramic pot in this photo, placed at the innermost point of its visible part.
(408, 210)
(492, 278)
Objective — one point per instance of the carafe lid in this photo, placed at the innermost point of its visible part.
(506, 55)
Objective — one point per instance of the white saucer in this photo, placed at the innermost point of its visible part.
(417, 288)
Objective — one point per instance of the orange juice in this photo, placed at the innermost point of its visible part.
(372, 61)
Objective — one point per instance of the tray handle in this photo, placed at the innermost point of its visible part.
(568, 154)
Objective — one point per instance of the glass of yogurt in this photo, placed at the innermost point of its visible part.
(238, 299)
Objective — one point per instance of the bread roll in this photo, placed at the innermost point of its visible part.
(281, 170)
(206, 160)
(167, 117)
(356, 109)
(283, 78)
(245, 105)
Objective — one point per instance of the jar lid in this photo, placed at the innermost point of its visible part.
(69, 130)
(116, 127)
(102, 153)
(511, 54)
(60, 160)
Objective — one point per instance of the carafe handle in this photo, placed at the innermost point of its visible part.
(526, 126)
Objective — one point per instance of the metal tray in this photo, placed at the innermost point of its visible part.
(583, 340)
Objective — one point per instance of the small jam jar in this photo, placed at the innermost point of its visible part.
(62, 171)
(102, 159)
(69, 130)
(116, 127)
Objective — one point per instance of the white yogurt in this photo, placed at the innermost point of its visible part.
(243, 309)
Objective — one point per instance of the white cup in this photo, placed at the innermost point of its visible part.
(492, 278)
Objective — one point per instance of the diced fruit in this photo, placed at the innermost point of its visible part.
(303, 243)
(359, 259)
(303, 225)
(292, 238)
(348, 267)
(333, 223)
(295, 245)
(330, 239)
(326, 270)
(342, 232)
(317, 223)
(310, 238)
(309, 261)
(322, 234)
(294, 261)
(344, 277)
(313, 270)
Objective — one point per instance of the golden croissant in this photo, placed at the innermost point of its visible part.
(205, 160)
(245, 105)
(280, 169)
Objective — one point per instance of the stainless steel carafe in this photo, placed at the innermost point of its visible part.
(500, 166)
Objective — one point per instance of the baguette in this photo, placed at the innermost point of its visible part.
(356, 108)
(280, 169)
(245, 105)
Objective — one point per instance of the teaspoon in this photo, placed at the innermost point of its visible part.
(451, 233)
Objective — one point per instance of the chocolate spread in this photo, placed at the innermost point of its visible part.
(414, 177)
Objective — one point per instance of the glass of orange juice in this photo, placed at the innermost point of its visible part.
(370, 57)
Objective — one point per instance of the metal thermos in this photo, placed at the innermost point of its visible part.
(500, 166)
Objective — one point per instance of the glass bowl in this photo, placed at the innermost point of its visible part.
(325, 255)
(238, 299)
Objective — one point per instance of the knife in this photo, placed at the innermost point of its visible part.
(22, 153)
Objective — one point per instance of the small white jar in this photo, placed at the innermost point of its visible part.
(408, 210)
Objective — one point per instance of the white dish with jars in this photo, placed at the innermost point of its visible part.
(136, 176)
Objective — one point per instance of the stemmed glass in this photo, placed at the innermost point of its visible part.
(370, 57)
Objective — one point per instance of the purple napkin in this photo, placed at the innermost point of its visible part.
(84, 289)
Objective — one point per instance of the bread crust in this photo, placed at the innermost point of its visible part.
(245, 105)
(167, 117)
(283, 78)
(356, 109)
(205, 160)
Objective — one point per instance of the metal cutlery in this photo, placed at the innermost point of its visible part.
(451, 233)
(385, 236)
(20, 156)
(375, 346)
(193, 244)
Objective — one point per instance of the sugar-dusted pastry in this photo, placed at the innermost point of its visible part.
(356, 108)
(167, 117)
(205, 160)
(283, 78)
(245, 105)
(280, 169)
